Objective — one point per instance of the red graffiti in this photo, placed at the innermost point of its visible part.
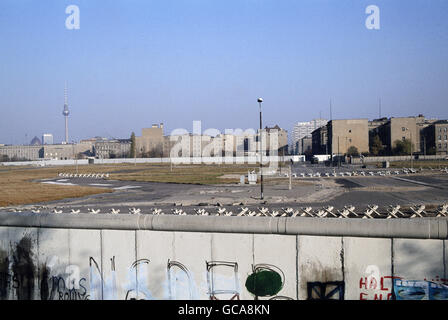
(376, 289)
(372, 283)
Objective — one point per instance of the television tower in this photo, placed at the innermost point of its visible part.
(66, 112)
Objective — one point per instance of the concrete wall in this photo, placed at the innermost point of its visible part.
(179, 160)
(106, 263)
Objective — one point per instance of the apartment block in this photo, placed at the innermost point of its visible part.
(436, 138)
(342, 134)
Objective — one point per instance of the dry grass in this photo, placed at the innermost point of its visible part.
(195, 174)
(17, 188)
(191, 174)
(276, 181)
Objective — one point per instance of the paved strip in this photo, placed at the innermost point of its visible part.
(418, 182)
(101, 184)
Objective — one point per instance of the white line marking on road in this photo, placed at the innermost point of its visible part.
(127, 187)
(60, 183)
(419, 182)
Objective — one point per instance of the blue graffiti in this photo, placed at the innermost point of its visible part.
(419, 290)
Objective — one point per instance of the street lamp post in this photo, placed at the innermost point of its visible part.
(412, 160)
(260, 100)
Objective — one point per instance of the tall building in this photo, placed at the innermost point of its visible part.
(320, 141)
(304, 146)
(343, 134)
(47, 138)
(304, 129)
(401, 128)
(278, 136)
(151, 142)
(435, 138)
(65, 113)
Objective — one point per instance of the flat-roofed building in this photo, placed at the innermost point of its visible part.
(193, 145)
(59, 151)
(404, 128)
(151, 142)
(304, 146)
(276, 140)
(20, 153)
(376, 129)
(436, 138)
(396, 129)
(84, 149)
(319, 139)
(47, 138)
(115, 148)
(343, 134)
(304, 129)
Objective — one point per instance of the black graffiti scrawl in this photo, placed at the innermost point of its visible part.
(44, 276)
(23, 268)
(4, 274)
(333, 290)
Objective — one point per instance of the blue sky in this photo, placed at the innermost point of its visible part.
(134, 63)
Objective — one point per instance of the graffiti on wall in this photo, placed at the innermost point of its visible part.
(21, 279)
(332, 290)
(137, 279)
(388, 287)
(375, 288)
(419, 290)
(17, 271)
(24, 279)
(102, 287)
(180, 282)
(23, 269)
(56, 288)
(218, 287)
(266, 280)
(4, 275)
(221, 276)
